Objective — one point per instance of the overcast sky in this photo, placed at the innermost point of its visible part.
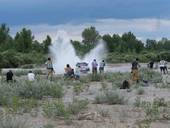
(114, 15)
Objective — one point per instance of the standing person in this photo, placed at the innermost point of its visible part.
(31, 76)
(9, 76)
(135, 72)
(77, 72)
(151, 63)
(165, 67)
(101, 66)
(94, 67)
(162, 66)
(49, 68)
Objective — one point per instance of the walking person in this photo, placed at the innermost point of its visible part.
(50, 69)
(101, 66)
(162, 66)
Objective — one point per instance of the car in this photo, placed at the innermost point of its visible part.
(83, 67)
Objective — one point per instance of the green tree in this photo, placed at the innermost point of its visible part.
(24, 40)
(132, 43)
(90, 35)
(47, 43)
(4, 33)
(37, 46)
(151, 44)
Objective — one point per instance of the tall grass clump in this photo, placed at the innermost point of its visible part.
(150, 75)
(109, 97)
(116, 78)
(39, 89)
(140, 91)
(77, 106)
(12, 122)
(55, 109)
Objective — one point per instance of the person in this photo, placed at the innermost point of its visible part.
(69, 72)
(135, 72)
(9, 76)
(101, 66)
(125, 85)
(49, 68)
(165, 67)
(162, 66)
(151, 63)
(77, 72)
(31, 76)
(94, 67)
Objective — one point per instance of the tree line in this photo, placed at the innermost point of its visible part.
(24, 49)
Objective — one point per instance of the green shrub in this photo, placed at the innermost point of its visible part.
(150, 75)
(103, 112)
(160, 102)
(39, 89)
(77, 106)
(12, 122)
(48, 126)
(55, 109)
(109, 97)
(77, 88)
(137, 102)
(152, 111)
(140, 91)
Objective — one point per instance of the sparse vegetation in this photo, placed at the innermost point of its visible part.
(109, 97)
(48, 97)
(12, 122)
(140, 91)
(55, 109)
(77, 106)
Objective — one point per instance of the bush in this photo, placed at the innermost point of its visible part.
(103, 112)
(140, 91)
(13, 59)
(39, 89)
(160, 102)
(55, 109)
(150, 75)
(137, 102)
(12, 122)
(77, 106)
(109, 97)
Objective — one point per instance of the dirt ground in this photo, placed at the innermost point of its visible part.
(118, 116)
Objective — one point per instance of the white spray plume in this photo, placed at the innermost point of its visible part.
(62, 52)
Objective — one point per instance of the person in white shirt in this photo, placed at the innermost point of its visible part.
(31, 76)
(77, 73)
(101, 66)
(162, 66)
(94, 67)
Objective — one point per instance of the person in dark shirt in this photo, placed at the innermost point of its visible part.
(151, 65)
(9, 76)
(135, 72)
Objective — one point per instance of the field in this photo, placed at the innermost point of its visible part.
(91, 102)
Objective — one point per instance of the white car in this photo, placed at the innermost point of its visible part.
(83, 67)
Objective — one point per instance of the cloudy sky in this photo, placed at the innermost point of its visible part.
(146, 18)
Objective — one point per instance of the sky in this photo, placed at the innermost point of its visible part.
(146, 18)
